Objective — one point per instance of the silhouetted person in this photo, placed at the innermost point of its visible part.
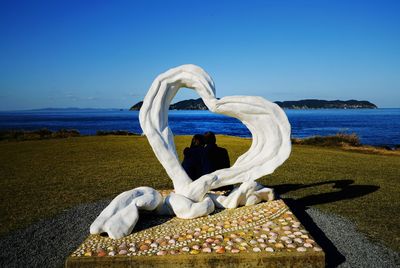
(215, 157)
(193, 157)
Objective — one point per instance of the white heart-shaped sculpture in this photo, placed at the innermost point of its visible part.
(271, 146)
(266, 121)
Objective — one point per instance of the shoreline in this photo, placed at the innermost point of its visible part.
(370, 124)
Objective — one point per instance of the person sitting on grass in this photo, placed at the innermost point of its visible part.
(215, 157)
(193, 157)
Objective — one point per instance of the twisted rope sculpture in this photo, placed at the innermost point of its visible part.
(270, 147)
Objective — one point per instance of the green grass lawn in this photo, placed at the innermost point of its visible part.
(41, 178)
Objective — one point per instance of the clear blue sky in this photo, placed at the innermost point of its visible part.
(106, 53)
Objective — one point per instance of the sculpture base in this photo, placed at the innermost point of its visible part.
(266, 234)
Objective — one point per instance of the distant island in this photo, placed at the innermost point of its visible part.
(198, 104)
(324, 104)
(137, 106)
(191, 104)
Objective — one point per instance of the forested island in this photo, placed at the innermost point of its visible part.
(325, 104)
(198, 104)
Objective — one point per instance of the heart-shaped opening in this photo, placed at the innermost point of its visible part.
(267, 122)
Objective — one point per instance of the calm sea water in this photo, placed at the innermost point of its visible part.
(374, 127)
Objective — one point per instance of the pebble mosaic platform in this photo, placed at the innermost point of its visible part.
(266, 234)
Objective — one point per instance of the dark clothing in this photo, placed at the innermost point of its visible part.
(215, 158)
(199, 161)
(193, 162)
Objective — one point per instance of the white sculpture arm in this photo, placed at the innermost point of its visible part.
(120, 217)
(185, 208)
(248, 193)
(154, 122)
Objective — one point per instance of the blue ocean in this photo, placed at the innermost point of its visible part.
(373, 126)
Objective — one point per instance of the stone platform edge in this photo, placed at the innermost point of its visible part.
(279, 259)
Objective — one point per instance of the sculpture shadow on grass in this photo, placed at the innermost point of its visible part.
(299, 206)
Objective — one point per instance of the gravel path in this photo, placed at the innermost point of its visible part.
(47, 243)
(356, 249)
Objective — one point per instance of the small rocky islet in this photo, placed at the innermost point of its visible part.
(268, 227)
